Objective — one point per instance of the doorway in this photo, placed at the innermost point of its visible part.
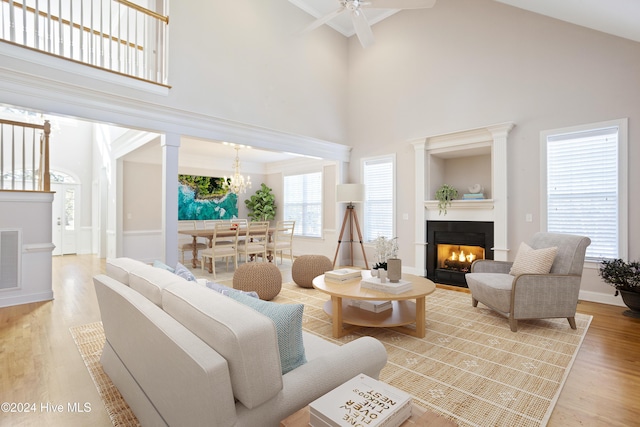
(64, 214)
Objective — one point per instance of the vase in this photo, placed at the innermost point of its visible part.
(382, 274)
(374, 272)
(394, 269)
(631, 300)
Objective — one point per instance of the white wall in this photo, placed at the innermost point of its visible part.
(471, 63)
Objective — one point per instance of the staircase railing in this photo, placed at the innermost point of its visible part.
(24, 156)
(115, 35)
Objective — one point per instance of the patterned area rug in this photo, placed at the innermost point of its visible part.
(469, 367)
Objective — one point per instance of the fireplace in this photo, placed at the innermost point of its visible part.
(452, 246)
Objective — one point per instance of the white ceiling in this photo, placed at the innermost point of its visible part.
(617, 17)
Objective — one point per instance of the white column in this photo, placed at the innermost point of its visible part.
(170, 149)
(419, 211)
(499, 186)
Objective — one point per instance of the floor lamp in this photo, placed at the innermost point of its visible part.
(350, 193)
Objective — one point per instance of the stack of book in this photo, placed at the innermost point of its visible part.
(388, 287)
(373, 306)
(473, 196)
(361, 401)
(342, 275)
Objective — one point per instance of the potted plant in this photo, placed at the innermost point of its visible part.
(444, 196)
(625, 278)
(262, 205)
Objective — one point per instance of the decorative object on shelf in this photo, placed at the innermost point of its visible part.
(394, 269)
(262, 205)
(476, 192)
(444, 196)
(236, 184)
(385, 248)
(350, 193)
(625, 277)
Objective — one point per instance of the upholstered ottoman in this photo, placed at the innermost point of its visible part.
(307, 267)
(262, 277)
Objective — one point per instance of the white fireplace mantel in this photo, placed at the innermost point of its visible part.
(431, 155)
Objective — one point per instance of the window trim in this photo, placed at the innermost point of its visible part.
(623, 177)
(392, 158)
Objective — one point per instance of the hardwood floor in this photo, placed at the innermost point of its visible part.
(40, 365)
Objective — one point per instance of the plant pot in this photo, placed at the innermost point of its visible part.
(631, 300)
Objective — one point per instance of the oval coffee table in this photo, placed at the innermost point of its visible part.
(404, 311)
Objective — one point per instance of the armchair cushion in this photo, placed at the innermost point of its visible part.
(533, 261)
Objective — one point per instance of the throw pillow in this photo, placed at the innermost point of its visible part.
(533, 261)
(184, 272)
(288, 321)
(160, 264)
(225, 290)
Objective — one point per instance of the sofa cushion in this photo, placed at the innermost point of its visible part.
(151, 281)
(119, 268)
(184, 272)
(493, 287)
(533, 261)
(288, 321)
(244, 337)
(160, 264)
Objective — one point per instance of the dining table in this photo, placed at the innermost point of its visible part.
(208, 234)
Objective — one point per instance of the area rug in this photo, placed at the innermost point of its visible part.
(469, 367)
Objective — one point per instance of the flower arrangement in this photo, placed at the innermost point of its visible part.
(385, 249)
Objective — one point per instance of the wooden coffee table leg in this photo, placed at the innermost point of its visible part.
(421, 317)
(336, 307)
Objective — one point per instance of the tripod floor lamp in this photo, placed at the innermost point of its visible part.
(350, 193)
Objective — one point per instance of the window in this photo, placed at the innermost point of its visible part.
(378, 174)
(303, 203)
(586, 182)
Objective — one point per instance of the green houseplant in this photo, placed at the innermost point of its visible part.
(625, 278)
(262, 205)
(444, 196)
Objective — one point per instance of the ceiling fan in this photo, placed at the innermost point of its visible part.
(360, 23)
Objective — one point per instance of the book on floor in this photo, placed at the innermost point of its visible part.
(361, 401)
(388, 287)
(373, 306)
(342, 274)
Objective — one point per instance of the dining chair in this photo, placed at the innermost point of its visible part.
(185, 243)
(223, 245)
(282, 239)
(255, 240)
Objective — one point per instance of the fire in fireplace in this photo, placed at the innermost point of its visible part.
(452, 246)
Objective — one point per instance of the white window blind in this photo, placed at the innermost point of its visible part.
(583, 188)
(303, 203)
(378, 176)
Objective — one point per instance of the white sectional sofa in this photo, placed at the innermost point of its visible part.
(184, 355)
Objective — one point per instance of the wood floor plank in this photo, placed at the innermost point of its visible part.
(40, 363)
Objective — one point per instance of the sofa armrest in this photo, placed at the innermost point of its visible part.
(491, 266)
(545, 295)
(317, 377)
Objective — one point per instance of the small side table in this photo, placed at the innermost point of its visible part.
(419, 418)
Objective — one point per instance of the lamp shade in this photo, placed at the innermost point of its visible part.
(350, 193)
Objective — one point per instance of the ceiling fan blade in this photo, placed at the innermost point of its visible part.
(362, 27)
(320, 21)
(399, 4)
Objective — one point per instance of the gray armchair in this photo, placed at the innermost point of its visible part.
(533, 296)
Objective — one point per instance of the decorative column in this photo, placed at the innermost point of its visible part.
(170, 148)
(499, 184)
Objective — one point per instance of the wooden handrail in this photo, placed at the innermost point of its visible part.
(146, 11)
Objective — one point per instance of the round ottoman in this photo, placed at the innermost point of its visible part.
(305, 268)
(262, 277)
